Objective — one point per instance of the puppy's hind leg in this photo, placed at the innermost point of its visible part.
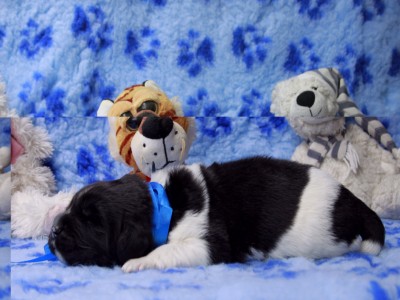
(372, 230)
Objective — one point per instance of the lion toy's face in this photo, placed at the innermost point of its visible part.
(148, 131)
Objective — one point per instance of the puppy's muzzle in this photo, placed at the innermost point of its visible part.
(55, 229)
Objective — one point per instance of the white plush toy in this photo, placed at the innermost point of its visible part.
(5, 184)
(361, 155)
(31, 190)
(34, 203)
(5, 157)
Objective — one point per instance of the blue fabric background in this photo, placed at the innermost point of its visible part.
(59, 59)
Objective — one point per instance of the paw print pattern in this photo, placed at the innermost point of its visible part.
(142, 47)
(157, 2)
(313, 9)
(213, 127)
(342, 62)
(357, 75)
(39, 88)
(92, 27)
(271, 124)
(370, 8)
(2, 35)
(201, 105)
(195, 53)
(94, 90)
(395, 63)
(250, 45)
(301, 58)
(361, 72)
(34, 39)
(253, 105)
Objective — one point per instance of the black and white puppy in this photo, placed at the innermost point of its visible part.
(227, 212)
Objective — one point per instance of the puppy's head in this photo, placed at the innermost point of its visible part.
(106, 224)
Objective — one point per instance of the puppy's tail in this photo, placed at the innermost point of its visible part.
(372, 230)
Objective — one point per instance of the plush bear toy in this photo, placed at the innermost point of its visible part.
(147, 130)
(34, 202)
(361, 155)
(5, 158)
(5, 183)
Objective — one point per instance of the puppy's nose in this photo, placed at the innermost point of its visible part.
(154, 127)
(306, 99)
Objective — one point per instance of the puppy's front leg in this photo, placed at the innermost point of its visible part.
(189, 252)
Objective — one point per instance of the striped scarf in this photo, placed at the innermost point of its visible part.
(337, 146)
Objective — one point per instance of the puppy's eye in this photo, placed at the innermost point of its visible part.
(126, 114)
(148, 105)
(314, 88)
(132, 123)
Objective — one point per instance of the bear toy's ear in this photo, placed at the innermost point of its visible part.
(104, 107)
(280, 102)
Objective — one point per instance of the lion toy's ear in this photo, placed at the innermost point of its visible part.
(104, 107)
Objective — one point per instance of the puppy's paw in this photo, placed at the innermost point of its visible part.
(139, 264)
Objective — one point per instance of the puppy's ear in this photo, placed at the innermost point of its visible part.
(89, 211)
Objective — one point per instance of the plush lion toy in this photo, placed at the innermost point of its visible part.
(148, 131)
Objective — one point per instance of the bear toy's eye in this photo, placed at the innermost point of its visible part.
(314, 88)
(148, 105)
(126, 114)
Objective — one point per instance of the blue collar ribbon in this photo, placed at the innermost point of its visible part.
(48, 256)
(162, 213)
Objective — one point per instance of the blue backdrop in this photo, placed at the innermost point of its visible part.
(59, 59)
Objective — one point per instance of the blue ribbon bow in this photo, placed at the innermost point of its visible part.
(162, 213)
(48, 256)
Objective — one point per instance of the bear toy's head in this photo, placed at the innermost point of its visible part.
(316, 104)
(309, 102)
(148, 130)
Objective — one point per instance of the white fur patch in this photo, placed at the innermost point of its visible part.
(186, 245)
(371, 247)
(311, 232)
(33, 214)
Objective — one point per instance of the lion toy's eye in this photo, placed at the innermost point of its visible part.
(148, 105)
(132, 123)
(126, 114)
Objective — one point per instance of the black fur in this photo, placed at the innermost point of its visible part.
(253, 209)
(252, 203)
(351, 218)
(104, 225)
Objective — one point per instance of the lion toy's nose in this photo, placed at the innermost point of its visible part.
(154, 127)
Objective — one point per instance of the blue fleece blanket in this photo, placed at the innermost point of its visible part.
(353, 276)
(222, 58)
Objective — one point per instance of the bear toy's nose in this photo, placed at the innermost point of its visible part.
(306, 98)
